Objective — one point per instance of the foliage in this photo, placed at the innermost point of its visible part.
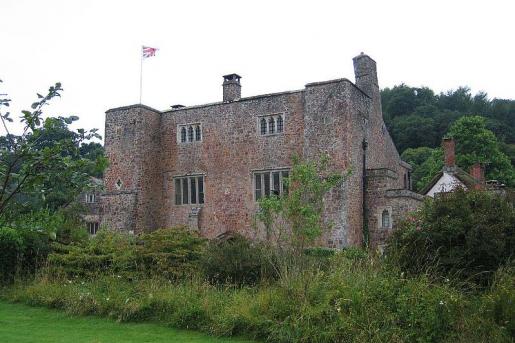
(170, 253)
(293, 221)
(426, 162)
(33, 236)
(236, 261)
(43, 167)
(358, 299)
(419, 118)
(475, 143)
(11, 244)
(459, 235)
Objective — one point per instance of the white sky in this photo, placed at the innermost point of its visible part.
(93, 48)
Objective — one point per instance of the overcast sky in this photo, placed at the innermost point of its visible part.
(93, 48)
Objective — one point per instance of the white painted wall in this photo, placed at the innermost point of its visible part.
(447, 183)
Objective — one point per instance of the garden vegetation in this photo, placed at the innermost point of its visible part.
(447, 274)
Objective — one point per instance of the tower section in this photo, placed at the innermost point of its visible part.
(132, 180)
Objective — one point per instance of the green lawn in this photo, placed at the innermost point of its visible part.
(20, 324)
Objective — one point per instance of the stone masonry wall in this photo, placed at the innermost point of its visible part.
(231, 149)
(333, 117)
(132, 180)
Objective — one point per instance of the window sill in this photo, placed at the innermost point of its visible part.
(271, 134)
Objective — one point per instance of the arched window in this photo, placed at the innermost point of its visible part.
(385, 219)
(279, 124)
(190, 134)
(183, 134)
(263, 126)
(197, 133)
(271, 125)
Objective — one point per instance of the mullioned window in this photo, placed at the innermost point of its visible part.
(189, 133)
(271, 124)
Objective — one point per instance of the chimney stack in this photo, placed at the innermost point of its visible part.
(231, 88)
(449, 153)
(477, 171)
(365, 72)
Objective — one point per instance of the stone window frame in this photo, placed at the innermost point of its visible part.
(118, 184)
(93, 227)
(282, 173)
(271, 121)
(90, 198)
(194, 133)
(186, 181)
(380, 212)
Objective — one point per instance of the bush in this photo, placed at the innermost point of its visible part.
(169, 253)
(356, 300)
(236, 261)
(11, 250)
(463, 235)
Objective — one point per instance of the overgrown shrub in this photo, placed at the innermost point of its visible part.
(466, 235)
(11, 250)
(169, 253)
(236, 261)
(357, 300)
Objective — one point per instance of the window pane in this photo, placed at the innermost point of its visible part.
(190, 134)
(267, 183)
(276, 183)
(197, 133)
(257, 182)
(185, 191)
(193, 190)
(263, 126)
(183, 134)
(178, 196)
(200, 181)
(280, 124)
(285, 180)
(385, 219)
(271, 125)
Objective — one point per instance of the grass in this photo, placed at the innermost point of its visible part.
(21, 323)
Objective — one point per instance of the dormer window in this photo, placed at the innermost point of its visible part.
(271, 124)
(189, 133)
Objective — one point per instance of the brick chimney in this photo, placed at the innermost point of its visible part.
(477, 171)
(231, 88)
(449, 155)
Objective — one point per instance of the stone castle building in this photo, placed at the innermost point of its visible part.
(206, 166)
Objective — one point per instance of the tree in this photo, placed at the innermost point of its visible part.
(413, 131)
(426, 162)
(464, 234)
(293, 221)
(42, 167)
(475, 143)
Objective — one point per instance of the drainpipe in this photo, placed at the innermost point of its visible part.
(366, 238)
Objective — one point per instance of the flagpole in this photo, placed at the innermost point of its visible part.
(141, 75)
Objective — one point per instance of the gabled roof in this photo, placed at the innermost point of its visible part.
(468, 180)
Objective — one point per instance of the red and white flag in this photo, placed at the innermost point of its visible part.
(148, 51)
